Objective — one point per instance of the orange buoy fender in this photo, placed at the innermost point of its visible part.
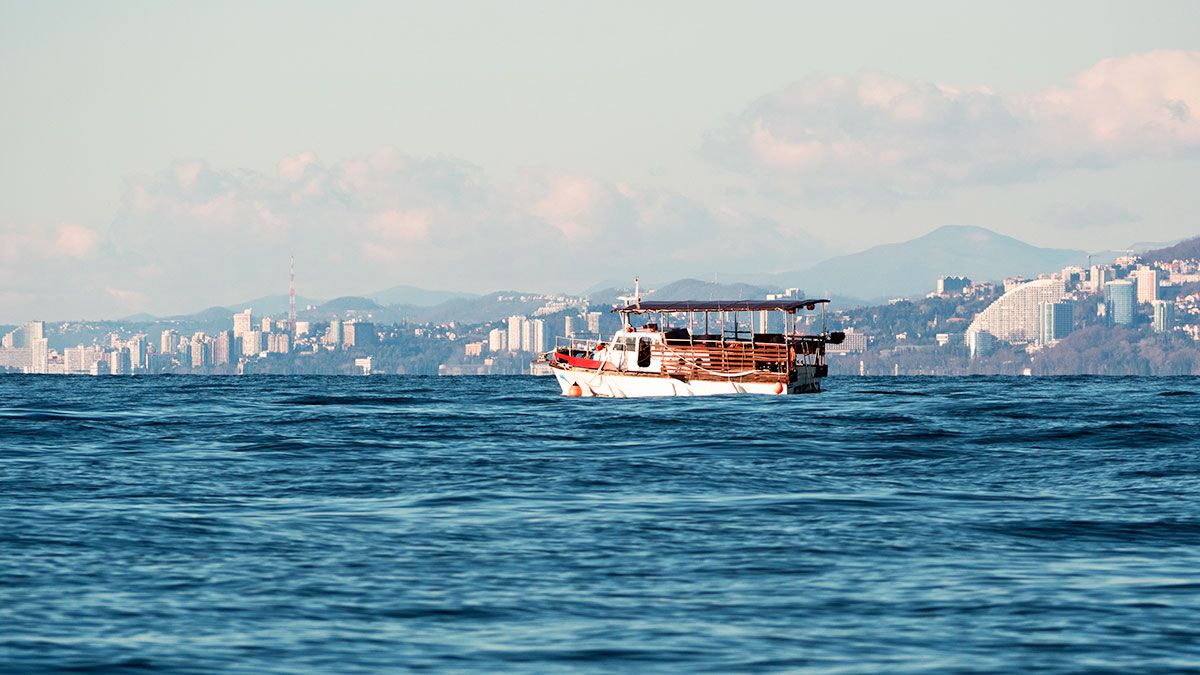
(778, 387)
(574, 390)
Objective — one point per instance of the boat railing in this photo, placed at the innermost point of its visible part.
(574, 345)
(748, 361)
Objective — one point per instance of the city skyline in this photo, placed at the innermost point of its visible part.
(566, 144)
(1027, 316)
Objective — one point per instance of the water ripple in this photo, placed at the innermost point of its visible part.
(266, 524)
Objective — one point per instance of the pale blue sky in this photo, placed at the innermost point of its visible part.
(599, 123)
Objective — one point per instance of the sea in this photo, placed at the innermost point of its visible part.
(487, 524)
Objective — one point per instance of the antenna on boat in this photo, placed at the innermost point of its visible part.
(636, 298)
(824, 328)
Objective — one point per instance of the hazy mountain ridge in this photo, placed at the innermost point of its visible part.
(871, 276)
(911, 267)
(1188, 248)
(418, 297)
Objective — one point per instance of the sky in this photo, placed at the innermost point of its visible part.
(165, 157)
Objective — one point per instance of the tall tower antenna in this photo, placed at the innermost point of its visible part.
(292, 297)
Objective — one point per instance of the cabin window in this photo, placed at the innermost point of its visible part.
(643, 353)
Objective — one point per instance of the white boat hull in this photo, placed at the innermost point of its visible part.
(613, 384)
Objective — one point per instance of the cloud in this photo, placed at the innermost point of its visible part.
(194, 234)
(38, 243)
(45, 265)
(76, 241)
(1087, 216)
(128, 298)
(877, 135)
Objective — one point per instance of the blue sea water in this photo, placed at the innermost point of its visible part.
(263, 524)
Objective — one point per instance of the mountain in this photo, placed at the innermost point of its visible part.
(273, 305)
(695, 289)
(210, 314)
(602, 287)
(418, 297)
(349, 302)
(490, 307)
(683, 289)
(1184, 250)
(911, 267)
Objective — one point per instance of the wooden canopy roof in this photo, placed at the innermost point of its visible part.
(649, 306)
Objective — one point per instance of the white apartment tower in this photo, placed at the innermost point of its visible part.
(533, 336)
(252, 343)
(168, 342)
(497, 340)
(515, 330)
(40, 354)
(1147, 284)
(1014, 317)
(243, 322)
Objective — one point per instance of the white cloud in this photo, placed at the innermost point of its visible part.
(37, 243)
(76, 241)
(194, 235)
(878, 135)
(130, 299)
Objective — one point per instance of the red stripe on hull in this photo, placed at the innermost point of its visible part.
(576, 361)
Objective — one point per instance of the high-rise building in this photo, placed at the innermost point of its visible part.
(1013, 317)
(1011, 283)
(39, 354)
(1121, 301)
(79, 360)
(302, 328)
(168, 342)
(1072, 276)
(951, 285)
(279, 343)
(533, 336)
(1099, 277)
(223, 348)
(252, 343)
(202, 351)
(138, 357)
(243, 322)
(118, 361)
(569, 326)
(1147, 283)
(266, 324)
(515, 330)
(980, 342)
(16, 358)
(73, 360)
(854, 342)
(593, 323)
(1055, 321)
(497, 340)
(1164, 316)
(34, 330)
(333, 336)
(358, 334)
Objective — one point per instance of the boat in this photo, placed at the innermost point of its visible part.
(666, 355)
